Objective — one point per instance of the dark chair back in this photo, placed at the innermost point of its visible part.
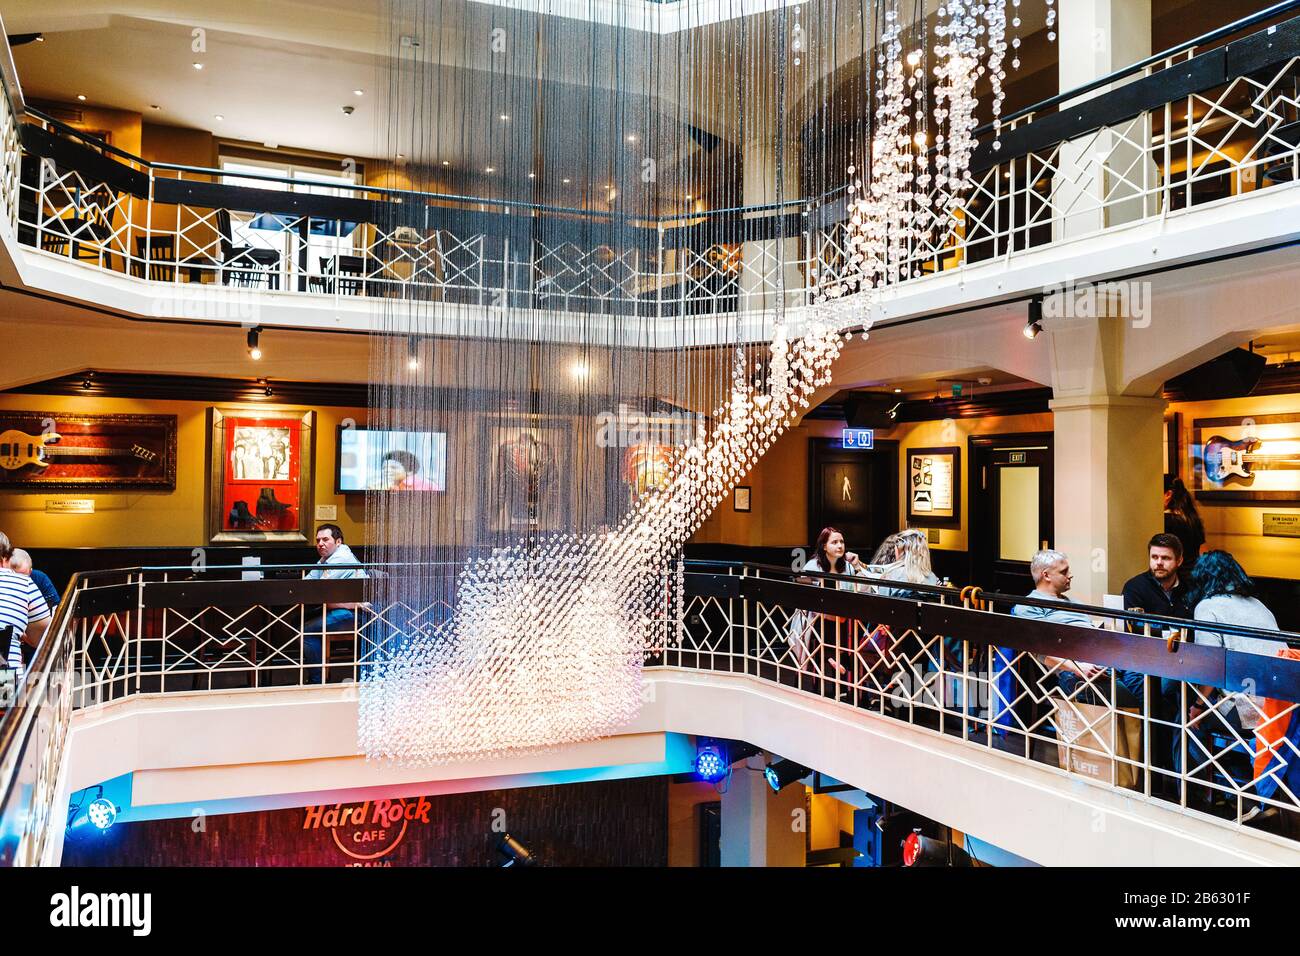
(227, 236)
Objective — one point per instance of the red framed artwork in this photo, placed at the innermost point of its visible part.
(260, 475)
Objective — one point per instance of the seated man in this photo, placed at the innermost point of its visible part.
(21, 562)
(334, 618)
(1158, 590)
(1052, 579)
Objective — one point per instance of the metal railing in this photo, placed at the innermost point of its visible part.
(1131, 703)
(1208, 121)
(1149, 712)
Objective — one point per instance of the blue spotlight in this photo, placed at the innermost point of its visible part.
(102, 813)
(711, 764)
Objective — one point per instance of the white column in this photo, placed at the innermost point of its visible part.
(1100, 178)
(762, 828)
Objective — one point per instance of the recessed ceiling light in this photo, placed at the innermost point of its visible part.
(689, 198)
(567, 181)
(218, 117)
(631, 137)
(358, 92)
(198, 66)
(490, 169)
(504, 117)
(82, 97)
(39, 38)
(898, 391)
(154, 106)
(532, 175)
(401, 156)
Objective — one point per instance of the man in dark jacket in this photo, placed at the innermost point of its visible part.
(1158, 590)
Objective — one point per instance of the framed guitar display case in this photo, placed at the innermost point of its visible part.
(54, 451)
(260, 475)
(1247, 459)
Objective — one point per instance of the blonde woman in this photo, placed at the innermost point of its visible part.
(911, 564)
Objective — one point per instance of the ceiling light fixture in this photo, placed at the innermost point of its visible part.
(412, 353)
(198, 66)
(254, 343)
(1035, 316)
(218, 117)
(82, 97)
(358, 92)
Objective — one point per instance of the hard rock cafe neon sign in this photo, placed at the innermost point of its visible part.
(368, 831)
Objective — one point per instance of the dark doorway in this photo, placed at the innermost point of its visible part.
(853, 490)
(1011, 486)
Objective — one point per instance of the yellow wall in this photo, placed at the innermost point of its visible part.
(1238, 527)
(780, 480)
(157, 518)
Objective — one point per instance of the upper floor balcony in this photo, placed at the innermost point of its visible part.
(1185, 156)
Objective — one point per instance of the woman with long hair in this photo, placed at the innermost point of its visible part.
(806, 631)
(1223, 593)
(911, 564)
(1183, 521)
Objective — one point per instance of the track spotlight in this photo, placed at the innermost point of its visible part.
(714, 757)
(102, 813)
(514, 852)
(412, 353)
(921, 850)
(1035, 323)
(254, 348)
(781, 774)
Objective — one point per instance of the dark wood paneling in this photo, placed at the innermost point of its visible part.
(604, 823)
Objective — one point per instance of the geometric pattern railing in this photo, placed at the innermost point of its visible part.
(122, 634)
(1210, 146)
(1230, 755)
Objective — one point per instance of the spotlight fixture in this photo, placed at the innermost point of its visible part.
(631, 137)
(412, 353)
(88, 382)
(1035, 323)
(921, 850)
(490, 169)
(532, 175)
(82, 97)
(218, 117)
(567, 181)
(254, 340)
(358, 92)
(198, 66)
(581, 370)
(348, 109)
(781, 774)
(714, 757)
(898, 391)
(515, 853)
(268, 391)
(102, 813)
(504, 117)
(154, 106)
(446, 163)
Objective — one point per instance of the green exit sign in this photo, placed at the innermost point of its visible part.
(956, 389)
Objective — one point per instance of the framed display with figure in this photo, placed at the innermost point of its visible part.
(527, 485)
(934, 487)
(260, 475)
(57, 451)
(1247, 459)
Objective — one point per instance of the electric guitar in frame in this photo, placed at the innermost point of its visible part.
(19, 449)
(1226, 459)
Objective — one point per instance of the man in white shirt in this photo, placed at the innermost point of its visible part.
(24, 615)
(335, 556)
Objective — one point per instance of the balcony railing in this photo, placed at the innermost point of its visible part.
(1209, 121)
(1209, 731)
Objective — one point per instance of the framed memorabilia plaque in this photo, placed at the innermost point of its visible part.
(934, 487)
(260, 475)
(1247, 459)
(54, 451)
(741, 498)
(528, 485)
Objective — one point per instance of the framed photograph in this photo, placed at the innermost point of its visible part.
(740, 498)
(54, 451)
(529, 479)
(934, 487)
(260, 475)
(1247, 459)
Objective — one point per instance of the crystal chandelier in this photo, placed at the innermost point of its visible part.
(548, 636)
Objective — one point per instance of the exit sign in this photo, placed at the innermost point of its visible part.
(859, 438)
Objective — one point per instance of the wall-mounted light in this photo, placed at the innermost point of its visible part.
(1035, 316)
(254, 343)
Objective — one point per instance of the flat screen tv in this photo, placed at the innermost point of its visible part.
(374, 460)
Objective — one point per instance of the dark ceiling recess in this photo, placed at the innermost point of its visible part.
(1231, 375)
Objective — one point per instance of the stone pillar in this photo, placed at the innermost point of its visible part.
(1096, 38)
(1108, 468)
(762, 828)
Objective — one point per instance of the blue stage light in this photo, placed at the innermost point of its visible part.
(102, 813)
(710, 764)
